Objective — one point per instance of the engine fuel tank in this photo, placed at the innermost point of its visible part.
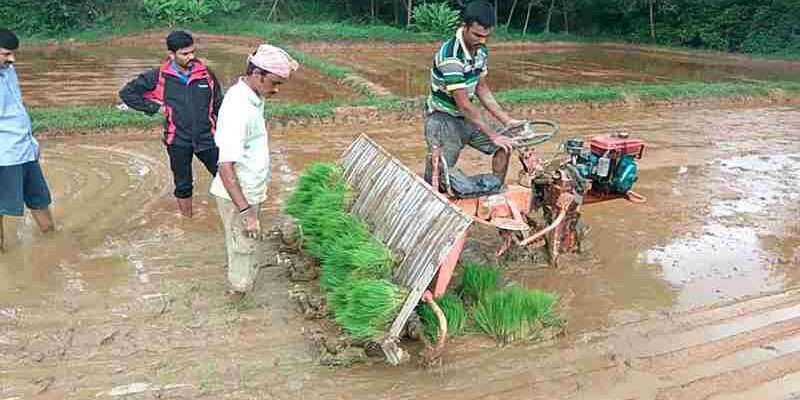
(616, 147)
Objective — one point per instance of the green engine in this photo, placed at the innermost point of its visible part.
(609, 163)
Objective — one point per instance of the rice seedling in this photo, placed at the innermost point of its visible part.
(336, 258)
(371, 306)
(454, 312)
(337, 298)
(477, 281)
(514, 313)
(355, 267)
(351, 254)
(324, 222)
(327, 228)
(372, 260)
(315, 179)
(541, 306)
(334, 276)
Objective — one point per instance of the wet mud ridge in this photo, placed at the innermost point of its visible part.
(744, 350)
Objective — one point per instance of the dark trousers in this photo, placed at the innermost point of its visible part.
(180, 161)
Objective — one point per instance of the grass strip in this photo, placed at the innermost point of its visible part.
(108, 117)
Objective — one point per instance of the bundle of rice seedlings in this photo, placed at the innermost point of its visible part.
(338, 297)
(333, 277)
(372, 260)
(332, 230)
(354, 255)
(454, 312)
(314, 179)
(371, 306)
(541, 306)
(478, 281)
(514, 313)
(324, 221)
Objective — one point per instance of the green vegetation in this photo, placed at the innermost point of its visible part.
(515, 313)
(315, 177)
(507, 314)
(371, 306)
(747, 26)
(356, 268)
(671, 91)
(438, 18)
(175, 12)
(477, 281)
(314, 32)
(453, 309)
(89, 117)
(96, 117)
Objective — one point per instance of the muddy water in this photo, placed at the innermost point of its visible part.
(128, 296)
(92, 74)
(406, 70)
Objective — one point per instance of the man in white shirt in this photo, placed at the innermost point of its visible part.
(240, 185)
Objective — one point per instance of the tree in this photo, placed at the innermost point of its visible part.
(511, 13)
(549, 16)
(528, 15)
(630, 6)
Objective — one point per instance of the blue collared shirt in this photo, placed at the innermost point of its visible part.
(183, 76)
(17, 144)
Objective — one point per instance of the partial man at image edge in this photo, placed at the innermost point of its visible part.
(185, 90)
(22, 182)
(240, 186)
(452, 120)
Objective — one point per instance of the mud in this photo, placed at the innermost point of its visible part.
(687, 296)
(93, 73)
(405, 69)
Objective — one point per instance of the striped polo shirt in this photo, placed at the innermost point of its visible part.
(455, 68)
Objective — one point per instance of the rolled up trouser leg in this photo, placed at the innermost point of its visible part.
(241, 250)
(446, 133)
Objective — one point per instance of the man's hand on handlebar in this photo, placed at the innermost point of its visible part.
(502, 142)
(513, 123)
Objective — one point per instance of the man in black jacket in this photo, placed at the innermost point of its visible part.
(189, 96)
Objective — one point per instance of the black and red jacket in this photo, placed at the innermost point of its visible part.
(191, 108)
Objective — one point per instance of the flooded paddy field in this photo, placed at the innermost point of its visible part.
(689, 296)
(93, 73)
(405, 70)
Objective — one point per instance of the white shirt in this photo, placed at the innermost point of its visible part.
(242, 139)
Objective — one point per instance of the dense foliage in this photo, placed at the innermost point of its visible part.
(435, 17)
(50, 16)
(752, 26)
(175, 12)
